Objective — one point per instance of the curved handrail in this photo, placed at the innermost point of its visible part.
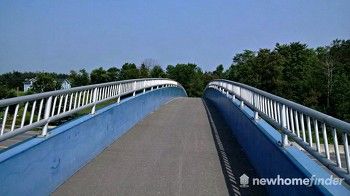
(295, 121)
(54, 105)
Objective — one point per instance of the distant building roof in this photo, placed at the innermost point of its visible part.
(29, 81)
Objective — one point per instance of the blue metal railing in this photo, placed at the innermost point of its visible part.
(51, 106)
(301, 124)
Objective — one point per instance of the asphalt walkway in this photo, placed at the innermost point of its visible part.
(177, 150)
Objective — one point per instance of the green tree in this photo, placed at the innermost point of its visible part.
(157, 72)
(242, 70)
(6, 93)
(113, 74)
(99, 76)
(44, 82)
(339, 53)
(189, 75)
(15, 79)
(299, 66)
(129, 71)
(80, 78)
(268, 70)
(144, 71)
(219, 72)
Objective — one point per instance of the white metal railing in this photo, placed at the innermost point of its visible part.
(312, 130)
(21, 114)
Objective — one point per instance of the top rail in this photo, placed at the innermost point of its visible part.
(311, 112)
(15, 100)
(315, 132)
(21, 114)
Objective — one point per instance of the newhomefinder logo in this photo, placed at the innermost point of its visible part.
(244, 181)
(279, 181)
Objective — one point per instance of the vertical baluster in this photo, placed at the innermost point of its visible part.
(308, 121)
(70, 101)
(91, 95)
(79, 99)
(87, 96)
(302, 126)
(346, 151)
(84, 96)
(14, 118)
(325, 140)
(75, 100)
(317, 136)
(287, 118)
(4, 121)
(255, 101)
(65, 103)
(40, 108)
(93, 109)
(47, 115)
(284, 137)
(291, 120)
(296, 117)
(60, 104)
(263, 105)
(111, 91)
(144, 86)
(336, 147)
(103, 92)
(271, 110)
(279, 113)
(275, 111)
(108, 90)
(115, 91)
(24, 114)
(54, 106)
(99, 97)
(134, 89)
(32, 113)
(268, 108)
(119, 91)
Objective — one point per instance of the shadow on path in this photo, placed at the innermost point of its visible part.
(234, 162)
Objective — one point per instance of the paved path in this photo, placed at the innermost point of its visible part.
(173, 151)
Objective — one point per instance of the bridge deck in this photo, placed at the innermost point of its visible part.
(174, 151)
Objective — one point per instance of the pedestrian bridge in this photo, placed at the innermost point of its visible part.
(146, 137)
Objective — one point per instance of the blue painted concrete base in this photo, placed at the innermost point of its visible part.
(40, 165)
(260, 142)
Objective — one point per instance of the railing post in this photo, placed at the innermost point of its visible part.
(144, 86)
(134, 88)
(233, 96)
(241, 104)
(47, 115)
(119, 90)
(256, 115)
(94, 99)
(284, 137)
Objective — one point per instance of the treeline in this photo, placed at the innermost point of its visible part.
(11, 84)
(190, 75)
(316, 77)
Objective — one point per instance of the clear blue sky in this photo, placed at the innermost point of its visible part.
(62, 35)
